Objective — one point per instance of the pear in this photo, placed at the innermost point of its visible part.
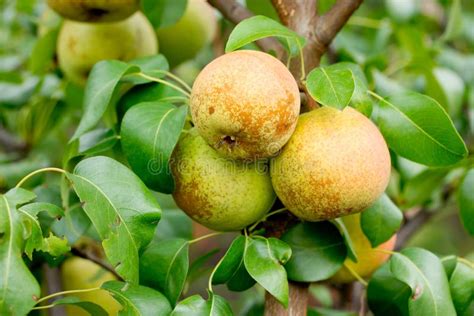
(185, 39)
(245, 104)
(81, 45)
(95, 10)
(336, 163)
(78, 274)
(368, 258)
(221, 194)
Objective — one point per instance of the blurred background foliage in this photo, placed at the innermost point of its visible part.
(427, 46)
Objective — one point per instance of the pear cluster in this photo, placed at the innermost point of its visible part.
(95, 30)
(250, 143)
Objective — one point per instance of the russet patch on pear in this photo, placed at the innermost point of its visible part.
(245, 104)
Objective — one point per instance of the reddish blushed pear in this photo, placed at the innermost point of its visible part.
(369, 259)
(245, 104)
(336, 163)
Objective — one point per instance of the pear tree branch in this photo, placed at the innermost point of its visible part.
(92, 257)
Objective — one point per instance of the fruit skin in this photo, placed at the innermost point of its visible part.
(245, 104)
(95, 10)
(81, 45)
(368, 259)
(221, 194)
(185, 39)
(336, 163)
(78, 273)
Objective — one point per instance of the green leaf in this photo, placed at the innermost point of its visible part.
(466, 201)
(16, 94)
(195, 305)
(331, 86)
(258, 27)
(447, 87)
(387, 295)
(73, 225)
(419, 189)
(418, 128)
(101, 85)
(381, 220)
(42, 55)
(164, 266)
(351, 252)
(231, 269)
(91, 308)
(149, 134)
(174, 222)
(19, 196)
(163, 13)
(149, 65)
(138, 300)
(318, 242)
(263, 260)
(232, 259)
(97, 141)
(455, 22)
(18, 287)
(122, 210)
(262, 7)
(147, 92)
(55, 246)
(360, 99)
(423, 272)
(461, 282)
(33, 233)
(200, 266)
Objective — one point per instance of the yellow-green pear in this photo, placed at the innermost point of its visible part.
(95, 10)
(196, 28)
(368, 258)
(221, 194)
(78, 274)
(336, 163)
(81, 45)
(245, 104)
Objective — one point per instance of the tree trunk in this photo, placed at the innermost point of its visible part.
(297, 305)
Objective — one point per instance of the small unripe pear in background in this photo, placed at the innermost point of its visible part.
(368, 258)
(245, 104)
(81, 45)
(185, 39)
(95, 10)
(336, 163)
(219, 193)
(79, 274)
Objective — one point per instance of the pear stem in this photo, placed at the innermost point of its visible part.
(66, 293)
(22, 181)
(169, 84)
(264, 218)
(43, 307)
(204, 237)
(356, 275)
(175, 78)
